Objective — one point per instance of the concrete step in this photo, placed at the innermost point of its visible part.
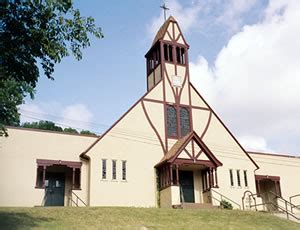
(195, 206)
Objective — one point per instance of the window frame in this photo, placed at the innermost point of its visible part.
(168, 121)
(180, 120)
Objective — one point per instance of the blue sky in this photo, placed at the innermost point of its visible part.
(96, 91)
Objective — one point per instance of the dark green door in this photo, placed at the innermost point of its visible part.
(55, 189)
(186, 180)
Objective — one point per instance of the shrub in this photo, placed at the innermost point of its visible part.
(226, 205)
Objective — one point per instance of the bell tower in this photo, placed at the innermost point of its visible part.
(169, 49)
(168, 72)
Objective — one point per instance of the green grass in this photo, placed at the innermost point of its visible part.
(137, 218)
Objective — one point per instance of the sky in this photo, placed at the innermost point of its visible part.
(244, 60)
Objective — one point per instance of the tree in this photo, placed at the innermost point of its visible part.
(45, 125)
(70, 130)
(36, 33)
(87, 132)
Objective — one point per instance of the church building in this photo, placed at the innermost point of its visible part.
(170, 149)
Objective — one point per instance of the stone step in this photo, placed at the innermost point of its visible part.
(195, 206)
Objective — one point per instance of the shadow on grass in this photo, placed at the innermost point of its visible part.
(20, 220)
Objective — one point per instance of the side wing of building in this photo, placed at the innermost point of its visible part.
(21, 151)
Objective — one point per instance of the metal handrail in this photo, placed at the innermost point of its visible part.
(285, 210)
(77, 199)
(295, 206)
(222, 196)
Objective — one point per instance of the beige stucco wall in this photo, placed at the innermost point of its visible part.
(166, 198)
(287, 168)
(226, 150)
(131, 139)
(19, 153)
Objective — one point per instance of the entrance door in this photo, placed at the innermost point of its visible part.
(266, 187)
(186, 180)
(55, 189)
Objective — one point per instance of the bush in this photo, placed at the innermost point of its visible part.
(226, 205)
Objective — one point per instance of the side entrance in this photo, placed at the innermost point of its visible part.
(55, 189)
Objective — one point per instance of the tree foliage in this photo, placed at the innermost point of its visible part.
(36, 33)
(45, 125)
(49, 125)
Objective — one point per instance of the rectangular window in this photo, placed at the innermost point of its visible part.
(238, 177)
(123, 170)
(114, 169)
(245, 178)
(180, 55)
(103, 168)
(231, 177)
(168, 52)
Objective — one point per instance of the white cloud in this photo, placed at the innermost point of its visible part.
(254, 143)
(76, 115)
(254, 82)
(233, 12)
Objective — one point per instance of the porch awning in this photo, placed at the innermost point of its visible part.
(202, 156)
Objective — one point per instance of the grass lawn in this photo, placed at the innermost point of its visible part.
(137, 218)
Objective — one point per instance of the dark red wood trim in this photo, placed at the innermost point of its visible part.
(274, 154)
(187, 152)
(173, 43)
(225, 127)
(180, 32)
(152, 126)
(198, 154)
(173, 31)
(182, 161)
(267, 177)
(70, 164)
(169, 35)
(207, 126)
(201, 108)
(193, 149)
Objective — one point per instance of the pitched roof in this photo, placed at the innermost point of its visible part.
(182, 143)
(163, 29)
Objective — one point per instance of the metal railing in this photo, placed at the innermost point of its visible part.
(222, 197)
(294, 206)
(277, 207)
(77, 198)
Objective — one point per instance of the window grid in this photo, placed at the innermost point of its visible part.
(231, 177)
(114, 169)
(103, 168)
(184, 121)
(171, 121)
(238, 177)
